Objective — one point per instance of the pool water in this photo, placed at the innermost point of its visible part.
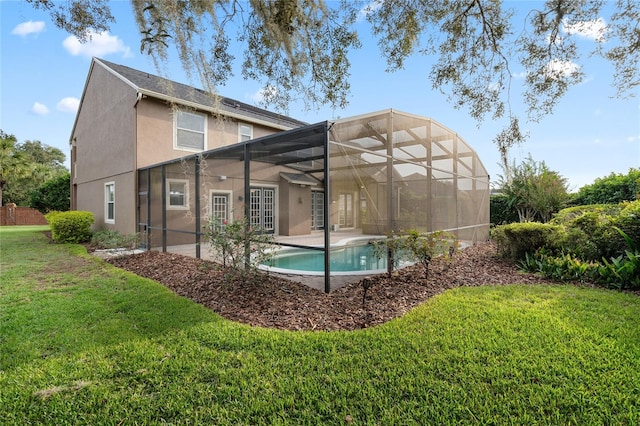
(352, 260)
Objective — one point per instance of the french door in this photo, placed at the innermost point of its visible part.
(263, 208)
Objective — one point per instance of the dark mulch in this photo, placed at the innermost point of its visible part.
(270, 301)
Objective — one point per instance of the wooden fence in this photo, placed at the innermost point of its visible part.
(13, 215)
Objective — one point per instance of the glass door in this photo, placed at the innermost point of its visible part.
(317, 210)
(263, 208)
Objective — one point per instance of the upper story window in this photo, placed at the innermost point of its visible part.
(245, 132)
(190, 131)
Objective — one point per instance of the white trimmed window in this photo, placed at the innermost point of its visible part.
(190, 131)
(110, 202)
(177, 194)
(245, 132)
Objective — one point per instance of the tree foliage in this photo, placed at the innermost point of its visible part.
(533, 190)
(612, 189)
(53, 195)
(300, 48)
(13, 164)
(24, 167)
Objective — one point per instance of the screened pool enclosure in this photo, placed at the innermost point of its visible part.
(362, 176)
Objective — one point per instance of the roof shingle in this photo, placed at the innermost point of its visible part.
(185, 93)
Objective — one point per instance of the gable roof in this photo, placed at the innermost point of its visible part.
(172, 91)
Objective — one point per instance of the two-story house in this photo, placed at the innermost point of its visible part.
(129, 119)
(161, 158)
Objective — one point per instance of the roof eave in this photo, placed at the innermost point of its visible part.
(198, 106)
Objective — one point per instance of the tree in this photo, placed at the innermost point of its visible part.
(38, 164)
(13, 164)
(299, 48)
(53, 195)
(533, 190)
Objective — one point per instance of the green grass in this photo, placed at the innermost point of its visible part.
(84, 343)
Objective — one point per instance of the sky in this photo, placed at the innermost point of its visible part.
(43, 71)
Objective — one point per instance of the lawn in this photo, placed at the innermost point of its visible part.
(82, 342)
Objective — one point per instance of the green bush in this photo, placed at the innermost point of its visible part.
(51, 215)
(562, 268)
(239, 247)
(517, 239)
(111, 239)
(71, 226)
(590, 231)
(567, 216)
(629, 222)
(620, 272)
(414, 246)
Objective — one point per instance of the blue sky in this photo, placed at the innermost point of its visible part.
(43, 71)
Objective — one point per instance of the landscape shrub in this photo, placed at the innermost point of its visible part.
(562, 268)
(568, 215)
(112, 239)
(51, 215)
(229, 244)
(590, 231)
(415, 246)
(71, 226)
(621, 272)
(629, 221)
(516, 239)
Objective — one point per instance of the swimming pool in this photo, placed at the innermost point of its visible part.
(349, 257)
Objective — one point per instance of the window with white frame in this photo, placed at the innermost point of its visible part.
(245, 132)
(177, 194)
(110, 202)
(190, 131)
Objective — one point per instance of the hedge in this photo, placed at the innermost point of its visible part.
(71, 226)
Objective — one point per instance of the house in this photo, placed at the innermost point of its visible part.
(129, 119)
(161, 158)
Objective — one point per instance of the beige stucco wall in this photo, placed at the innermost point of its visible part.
(104, 139)
(155, 133)
(295, 209)
(116, 133)
(91, 197)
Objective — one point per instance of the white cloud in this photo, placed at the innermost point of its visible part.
(559, 69)
(68, 104)
(39, 109)
(369, 9)
(264, 95)
(97, 44)
(519, 75)
(29, 27)
(595, 29)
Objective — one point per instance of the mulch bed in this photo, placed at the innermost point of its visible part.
(274, 302)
